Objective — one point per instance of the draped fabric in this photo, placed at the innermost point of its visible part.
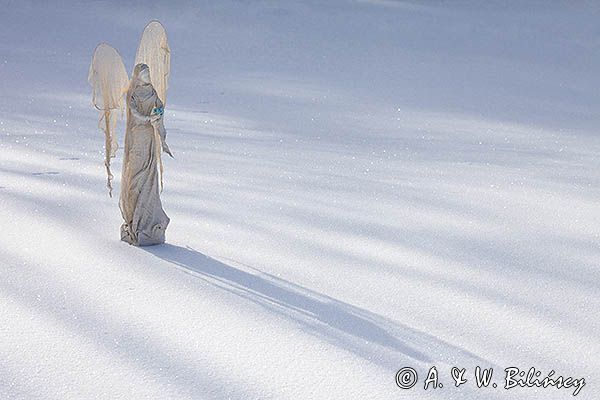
(145, 222)
(109, 81)
(154, 51)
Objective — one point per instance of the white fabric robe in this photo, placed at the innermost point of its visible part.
(145, 221)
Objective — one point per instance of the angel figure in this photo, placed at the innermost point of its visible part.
(144, 220)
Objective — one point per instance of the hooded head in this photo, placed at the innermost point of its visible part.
(140, 82)
(141, 73)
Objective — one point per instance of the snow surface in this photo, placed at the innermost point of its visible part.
(358, 186)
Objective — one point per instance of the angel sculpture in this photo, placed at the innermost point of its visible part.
(145, 221)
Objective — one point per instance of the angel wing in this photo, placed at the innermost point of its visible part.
(154, 51)
(109, 81)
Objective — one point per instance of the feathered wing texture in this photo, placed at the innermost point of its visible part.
(154, 51)
(109, 81)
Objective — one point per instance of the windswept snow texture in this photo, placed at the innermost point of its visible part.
(358, 186)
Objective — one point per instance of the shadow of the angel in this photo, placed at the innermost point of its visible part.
(341, 324)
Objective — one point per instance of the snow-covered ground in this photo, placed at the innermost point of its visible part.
(358, 186)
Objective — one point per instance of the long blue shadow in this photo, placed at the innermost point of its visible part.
(342, 324)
